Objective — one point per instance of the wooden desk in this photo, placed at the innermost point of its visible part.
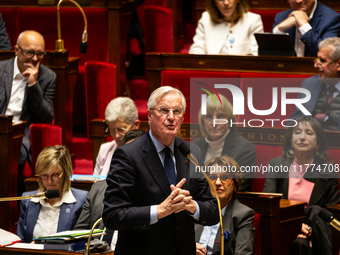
(281, 220)
(11, 251)
(156, 62)
(66, 69)
(11, 135)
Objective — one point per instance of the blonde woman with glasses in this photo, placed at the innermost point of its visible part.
(227, 27)
(39, 217)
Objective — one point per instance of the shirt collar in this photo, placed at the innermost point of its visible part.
(67, 198)
(337, 86)
(16, 70)
(159, 146)
(312, 13)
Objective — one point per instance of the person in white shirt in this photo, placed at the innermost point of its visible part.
(27, 87)
(40, 217)
(307, 22)
(227, 27)
(121, 115)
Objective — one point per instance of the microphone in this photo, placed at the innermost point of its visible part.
(49, 194)
(184, 149)
(329, 218)
(60, 42)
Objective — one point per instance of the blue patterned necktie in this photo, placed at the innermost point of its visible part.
(169, 166)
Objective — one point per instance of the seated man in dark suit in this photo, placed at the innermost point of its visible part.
(93, 207)
(27, 87)
(307, 22)
(152, 198)
(324, 104)
(5, 44)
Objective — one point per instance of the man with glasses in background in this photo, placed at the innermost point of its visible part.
(324, 104)
(121, 115)
(307, 23)
(27, 87)
(152, 198)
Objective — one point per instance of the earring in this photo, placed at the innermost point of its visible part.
(290, 153)
(317, 153)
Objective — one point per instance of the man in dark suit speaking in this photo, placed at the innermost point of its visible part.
(27, 87)
(152, 199)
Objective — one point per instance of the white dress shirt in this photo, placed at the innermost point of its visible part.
(17, 93)
(299, 46)
(47, 222)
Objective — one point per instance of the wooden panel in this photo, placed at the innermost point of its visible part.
(256, 64)
(10, 139)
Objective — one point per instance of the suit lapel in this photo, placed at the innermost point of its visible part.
(32, 216)
(227, 226)
(8, 78)
(229, 143)
(154, 165)
(65, 213)
(219, 37)
(319, 190)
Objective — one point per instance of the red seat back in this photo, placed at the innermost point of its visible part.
(100, 86)
(159, 34)
(43, 135)
(44, 20)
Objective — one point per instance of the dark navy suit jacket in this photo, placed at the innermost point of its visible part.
(314, 85)
(325, 23)
(136, 181)
(68, 217)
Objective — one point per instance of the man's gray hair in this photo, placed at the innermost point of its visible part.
(157, 94)
(333, 43)
(121, 107)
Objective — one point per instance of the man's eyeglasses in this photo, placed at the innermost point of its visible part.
(120, 130)
(320, 62)
(177, 111)
(223, 178)
(54, 177)
(30, 54)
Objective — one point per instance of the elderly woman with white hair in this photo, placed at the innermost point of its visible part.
(221, 139)
(121, 115)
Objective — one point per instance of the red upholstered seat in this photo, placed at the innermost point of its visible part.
(44, 20)
(42, 135)
(262, 84)
(268, 17)
(264, 153)
(139, 94)
(158, 29)
(181, 81)
(100, 89)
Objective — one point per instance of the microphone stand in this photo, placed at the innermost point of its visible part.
(194, 161)
(60, 42)
(38, 195)
(87, 251)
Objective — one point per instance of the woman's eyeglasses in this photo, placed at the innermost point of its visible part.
(54, 176)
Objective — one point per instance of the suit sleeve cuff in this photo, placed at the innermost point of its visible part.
(153, 214)
(305, 28)
(277, 31)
